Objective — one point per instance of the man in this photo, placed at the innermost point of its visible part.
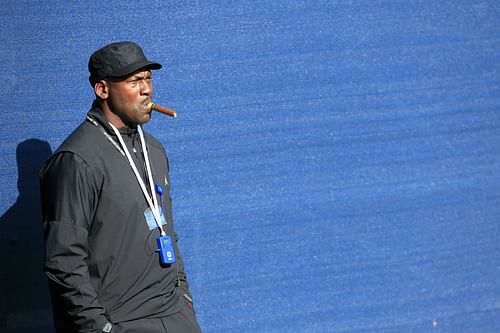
(111, 251)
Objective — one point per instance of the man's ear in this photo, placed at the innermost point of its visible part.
(101, 89)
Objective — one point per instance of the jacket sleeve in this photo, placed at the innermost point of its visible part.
(181, 273)
(69, 192)
(183, 281)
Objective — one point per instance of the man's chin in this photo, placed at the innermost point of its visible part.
(146, 118)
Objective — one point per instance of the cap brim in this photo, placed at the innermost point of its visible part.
(135, 67)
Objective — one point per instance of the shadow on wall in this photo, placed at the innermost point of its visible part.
(24, 296)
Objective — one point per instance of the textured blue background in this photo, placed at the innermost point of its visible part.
(335, 164)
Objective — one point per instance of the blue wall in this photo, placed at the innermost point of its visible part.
(335, 164)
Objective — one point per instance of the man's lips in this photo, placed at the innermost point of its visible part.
(145, 106)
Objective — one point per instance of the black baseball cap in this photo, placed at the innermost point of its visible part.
(118, 59)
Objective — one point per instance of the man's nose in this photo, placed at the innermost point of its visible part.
(146, 87)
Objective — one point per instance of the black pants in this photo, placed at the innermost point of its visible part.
(180, 322)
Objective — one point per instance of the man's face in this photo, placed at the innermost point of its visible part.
(128, 98)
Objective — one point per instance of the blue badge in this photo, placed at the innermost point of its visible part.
(166, 249)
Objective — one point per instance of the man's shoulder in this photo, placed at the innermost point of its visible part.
(153, 141)
(73, 144)
(83, 142)
(82, 137)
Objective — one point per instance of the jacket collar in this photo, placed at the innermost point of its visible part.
(97, 114)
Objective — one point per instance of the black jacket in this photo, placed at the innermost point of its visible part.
(100, 253)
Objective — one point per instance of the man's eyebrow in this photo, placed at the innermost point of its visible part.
(137, 77)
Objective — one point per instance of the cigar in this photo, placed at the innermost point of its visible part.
(162, 109)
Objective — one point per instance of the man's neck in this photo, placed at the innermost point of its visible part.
(113, 118)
